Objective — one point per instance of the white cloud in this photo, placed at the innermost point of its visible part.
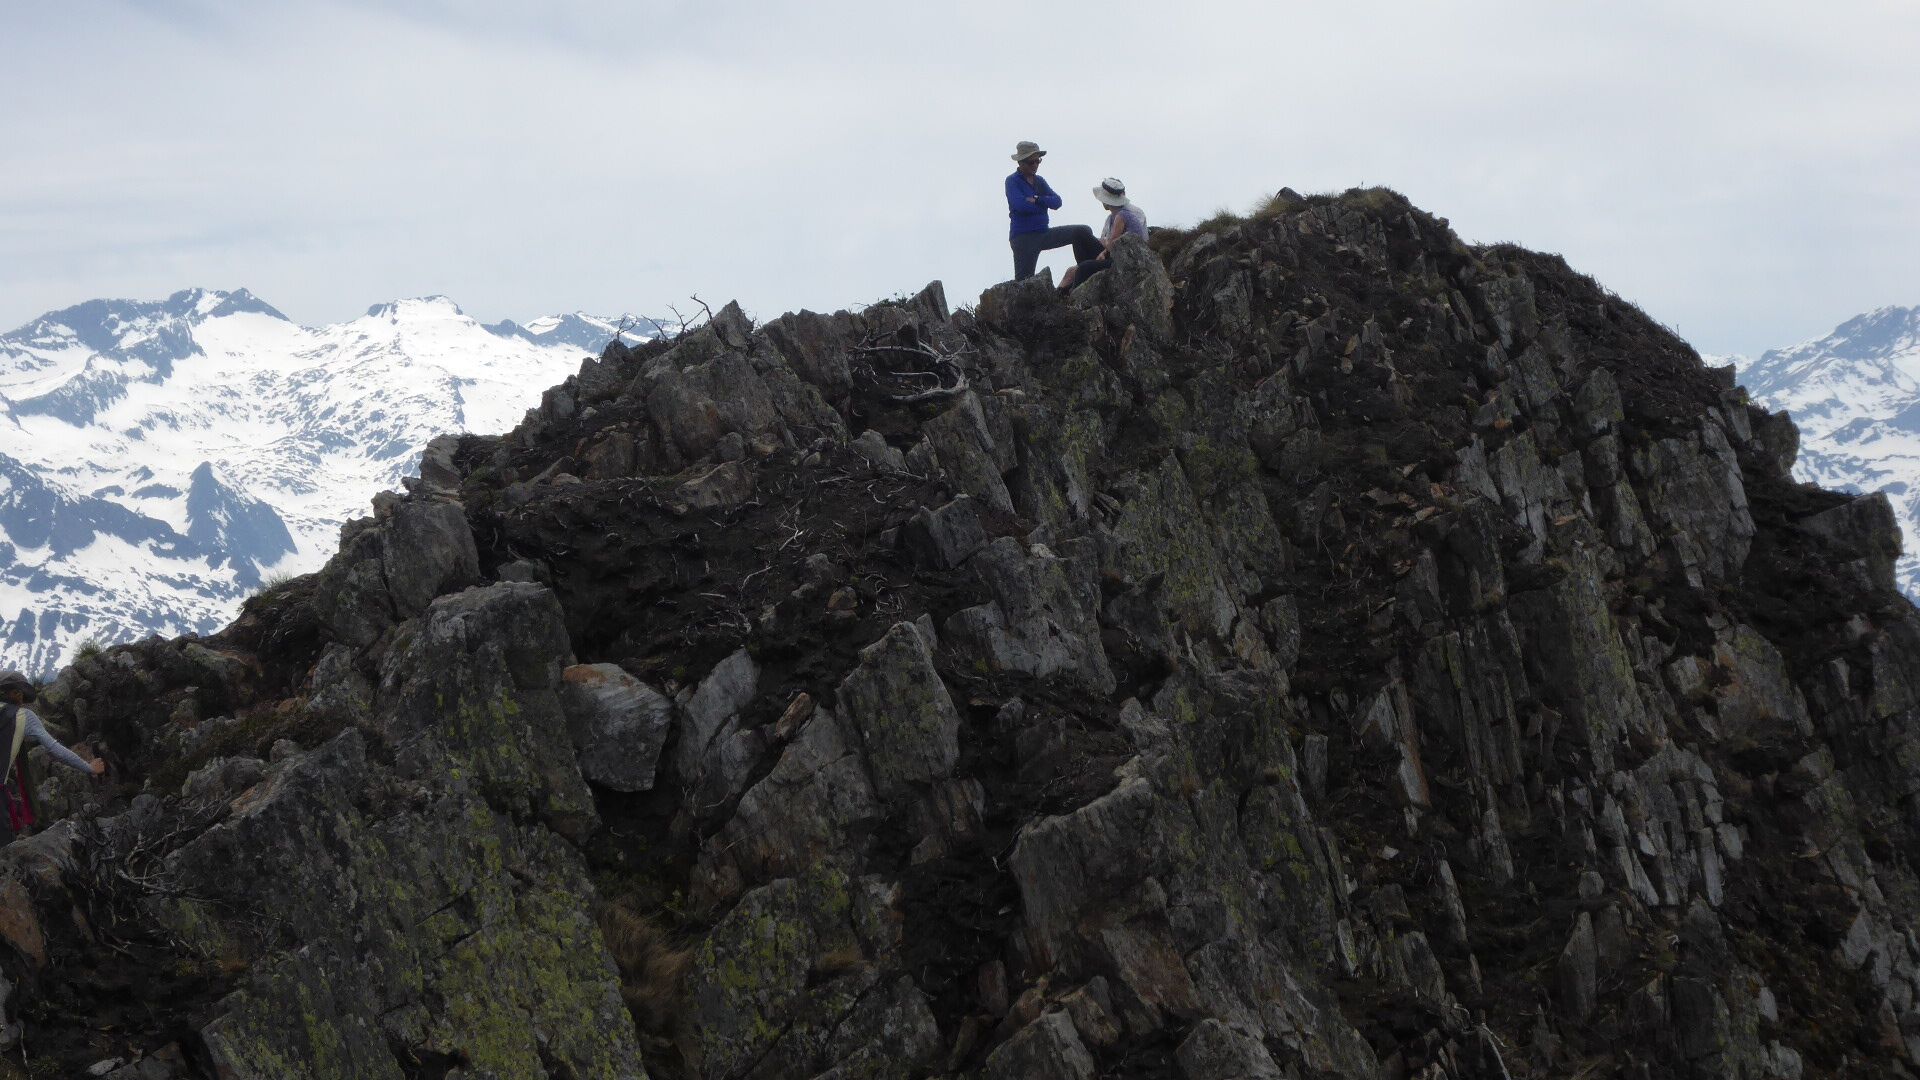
(1743, 170)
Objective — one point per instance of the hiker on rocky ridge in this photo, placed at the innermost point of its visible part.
(1123, 219)
(1029, 197)
(17, 723)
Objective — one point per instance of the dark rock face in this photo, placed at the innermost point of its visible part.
(1315, 649)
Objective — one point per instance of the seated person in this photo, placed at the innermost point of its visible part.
(1123, 219)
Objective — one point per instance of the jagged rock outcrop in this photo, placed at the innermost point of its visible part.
(1314, 649)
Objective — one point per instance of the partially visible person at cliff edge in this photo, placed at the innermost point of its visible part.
(1123, 219)
(17, 724)
(1029, 197)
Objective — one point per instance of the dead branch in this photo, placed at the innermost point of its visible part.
(909, 362)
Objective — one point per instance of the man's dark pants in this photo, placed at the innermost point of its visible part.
(1028, 246)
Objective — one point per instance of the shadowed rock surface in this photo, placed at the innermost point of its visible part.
(1317, 649)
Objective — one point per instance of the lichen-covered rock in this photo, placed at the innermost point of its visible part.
(1578, 972)
(474, 685)
(1575, 654)
(968, 454)
(789, 985)
(905, 718)
(1069, 865)
(1136, 291)
(944, 537)
(817, 805)
(1160, 533)
(1758, 698)
(1043, 619)
(457, 932)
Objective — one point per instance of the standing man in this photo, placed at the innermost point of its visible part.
(1029, 197)
(18, 724)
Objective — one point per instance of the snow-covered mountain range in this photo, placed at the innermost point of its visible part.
(1855, 395)
(159, 459)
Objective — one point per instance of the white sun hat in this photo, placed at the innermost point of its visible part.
(1111, 192)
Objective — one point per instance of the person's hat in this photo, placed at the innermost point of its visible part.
(1112, 192)
(1026, 150)
(13, 680)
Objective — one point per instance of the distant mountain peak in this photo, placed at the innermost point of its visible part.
(579, 329)
(216, 303)
(1854, 393)
(1879, 332)
(161, 455)
(434, 306)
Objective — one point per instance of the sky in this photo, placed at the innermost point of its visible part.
(1747, 172)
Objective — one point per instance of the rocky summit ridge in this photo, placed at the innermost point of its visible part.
(1318, 648)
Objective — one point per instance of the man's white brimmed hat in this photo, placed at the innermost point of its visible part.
(1025, 150)
(1112, 192)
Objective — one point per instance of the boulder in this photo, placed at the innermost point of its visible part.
(1863, 529)
(966, 451)
(1134, 292)
(944, 537)
(721, 696)
(1043, 620)
(1047, 1049)
(392, 565)
(618, 723)
(787, 985)
(474, 684)
(816, 806)
(905, 718)
(1214, 1051)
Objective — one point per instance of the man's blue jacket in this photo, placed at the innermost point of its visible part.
(1029, 216)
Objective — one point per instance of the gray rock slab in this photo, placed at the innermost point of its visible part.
(618, 724)
(1046, 1049)
(902, 711)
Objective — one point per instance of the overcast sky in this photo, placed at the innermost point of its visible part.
(1745, 171)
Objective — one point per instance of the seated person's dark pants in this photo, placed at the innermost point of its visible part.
(1028, 246)
(1085, 270)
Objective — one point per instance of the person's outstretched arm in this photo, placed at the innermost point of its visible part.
(38, 732)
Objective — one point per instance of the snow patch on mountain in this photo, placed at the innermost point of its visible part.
(158, 460)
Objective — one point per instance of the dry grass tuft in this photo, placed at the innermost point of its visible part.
(651, 967)
(839, 962)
